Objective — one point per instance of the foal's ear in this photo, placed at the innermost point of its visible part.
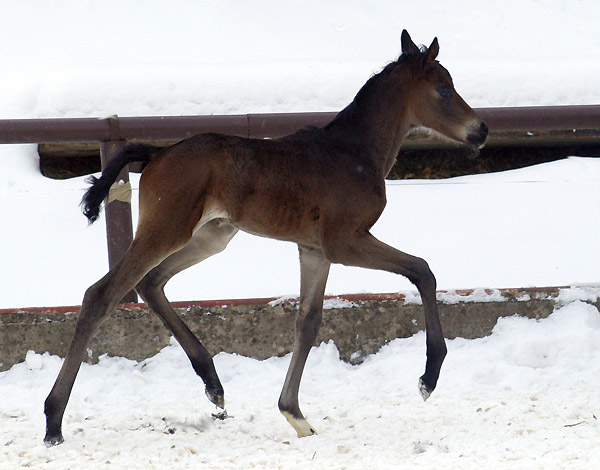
(408, 46)
(432, 53)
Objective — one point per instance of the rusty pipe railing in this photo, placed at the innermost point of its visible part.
(499, 120)
(543, 125)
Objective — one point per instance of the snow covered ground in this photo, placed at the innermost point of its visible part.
(525, 397)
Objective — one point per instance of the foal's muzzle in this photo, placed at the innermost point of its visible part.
(476, 139)
(479, 136)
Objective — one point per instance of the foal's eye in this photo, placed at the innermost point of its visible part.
(445, 92)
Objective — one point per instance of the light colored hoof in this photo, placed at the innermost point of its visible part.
(424, 390)
(302, 427)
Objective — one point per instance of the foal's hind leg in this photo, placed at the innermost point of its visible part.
(212, 238)
(314, 269)
(99, 300)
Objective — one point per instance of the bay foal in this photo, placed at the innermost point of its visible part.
(321, 188)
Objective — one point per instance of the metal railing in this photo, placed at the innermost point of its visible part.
(504, 124)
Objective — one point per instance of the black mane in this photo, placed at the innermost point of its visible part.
(352, 109)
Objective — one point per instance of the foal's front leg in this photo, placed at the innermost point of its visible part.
(365, 251)
(314, 269)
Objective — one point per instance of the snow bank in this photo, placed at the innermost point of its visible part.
(524, 397)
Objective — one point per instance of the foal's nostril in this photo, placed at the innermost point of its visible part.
(479, 136)
(483, 130)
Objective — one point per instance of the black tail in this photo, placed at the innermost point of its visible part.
(94, 196)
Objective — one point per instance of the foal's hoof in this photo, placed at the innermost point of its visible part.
(424, 389)
(216, 397)
(302, 427)
(52, 441)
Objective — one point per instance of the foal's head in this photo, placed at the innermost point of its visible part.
(433, 101)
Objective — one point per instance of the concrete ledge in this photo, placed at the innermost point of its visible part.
(359, 325)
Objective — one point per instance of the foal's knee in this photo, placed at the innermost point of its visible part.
(421, 275)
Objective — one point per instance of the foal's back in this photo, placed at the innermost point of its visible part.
(288, 188)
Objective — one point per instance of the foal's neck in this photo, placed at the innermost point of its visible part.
(377, 122)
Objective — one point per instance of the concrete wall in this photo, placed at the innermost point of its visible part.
(260, 329)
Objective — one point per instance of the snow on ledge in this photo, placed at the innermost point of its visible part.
(561, 296)
(328, 304)
(564, 296)
(574, 293)
(452, 297)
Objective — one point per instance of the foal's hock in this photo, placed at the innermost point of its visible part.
(321, 188)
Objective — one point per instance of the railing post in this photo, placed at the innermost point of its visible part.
(119, 226)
